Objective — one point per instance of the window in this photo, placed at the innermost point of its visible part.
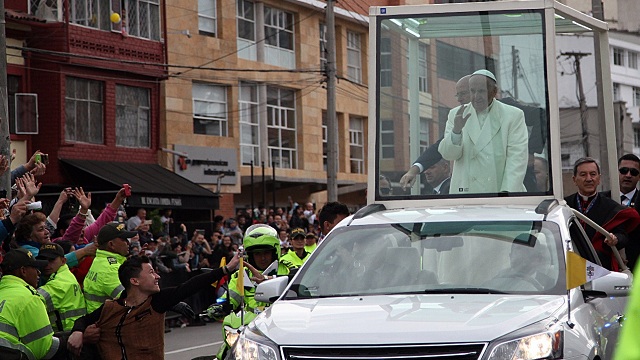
(207, 22)
(633, 59)
(356, 144)
(636, 96)
(387, 144)
(143, 18)
(636, 138)
(281, 127)
(616, 91)
(92, 13)
(323, 46)
(133, 117)
(385, 62)
(424, 134)
(455, 62)
(278, 28)
(209, 109)
(354, 65)
(618, 56)
(422, 67)
(249, 124)
(246, 20)
(83, 111)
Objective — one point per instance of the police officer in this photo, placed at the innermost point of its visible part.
(102, 283)
(263, 251)
(25, 332)
(298, 255)
(61, 293)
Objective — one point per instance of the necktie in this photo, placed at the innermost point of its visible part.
(623, 200)
(435, 192)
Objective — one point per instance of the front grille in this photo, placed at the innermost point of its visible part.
(386, 352)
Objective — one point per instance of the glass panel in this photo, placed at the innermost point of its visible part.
(502, 122)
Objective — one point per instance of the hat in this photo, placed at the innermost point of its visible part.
(486, 73)
(297, 232)
(312, 235)
(112, 231)
(17, 258)
(431, 156)
(50, 251)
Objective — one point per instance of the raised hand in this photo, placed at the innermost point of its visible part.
(30, 186)
(460, 120)
(83, 199)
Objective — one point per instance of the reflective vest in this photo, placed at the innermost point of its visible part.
(310, 248)
(249, 290)
(102, 283)
(24, 325)
(63, 298)
(292, 261)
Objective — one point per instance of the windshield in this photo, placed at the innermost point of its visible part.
(460, 257)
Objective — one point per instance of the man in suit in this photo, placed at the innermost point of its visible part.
(487, 142)
(613, 217)
(435, 168)
(628, 176)
(431, 155)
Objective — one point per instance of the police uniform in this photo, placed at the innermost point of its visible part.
(293, 261)
(102, 282)
(61, 293)
(24, 325)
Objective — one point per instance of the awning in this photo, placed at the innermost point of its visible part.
(151, 184)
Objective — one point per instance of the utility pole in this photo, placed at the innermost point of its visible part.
(332, 123)
(514, 70)
(5, 142)
(582, 101)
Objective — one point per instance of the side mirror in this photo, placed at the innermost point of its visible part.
(270, 290)
(613, 284)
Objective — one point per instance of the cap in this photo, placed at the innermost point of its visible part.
(297, 232)
(112, 231)
(50, 251)
(486, 73)
(431, 156)
(20, 257)
(312, 235)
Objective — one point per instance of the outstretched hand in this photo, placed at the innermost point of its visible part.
(83, 199)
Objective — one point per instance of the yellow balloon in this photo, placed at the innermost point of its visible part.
(115, 18)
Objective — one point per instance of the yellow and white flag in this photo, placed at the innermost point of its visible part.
(581, 271)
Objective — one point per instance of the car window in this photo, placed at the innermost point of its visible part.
(497, 257)
(580, 242)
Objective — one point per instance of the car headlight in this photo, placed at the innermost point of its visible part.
(251, 346)
(230, 335)
(544, 345)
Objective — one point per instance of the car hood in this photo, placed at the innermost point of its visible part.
(404, 319)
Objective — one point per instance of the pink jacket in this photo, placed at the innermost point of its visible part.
(75, 228)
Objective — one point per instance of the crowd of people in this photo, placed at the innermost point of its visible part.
(75, 283)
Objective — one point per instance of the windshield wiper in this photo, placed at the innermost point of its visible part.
(463, 291)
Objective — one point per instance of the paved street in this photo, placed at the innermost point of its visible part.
(190, 342)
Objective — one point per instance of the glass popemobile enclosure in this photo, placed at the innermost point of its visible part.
(465, 102)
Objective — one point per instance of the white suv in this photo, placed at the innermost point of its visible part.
(465, 282)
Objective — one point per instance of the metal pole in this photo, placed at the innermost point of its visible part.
(5, 141)
(264, 187)
(332, 123)
(273, 188)
(607, 182)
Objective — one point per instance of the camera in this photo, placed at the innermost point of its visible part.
(35, 205)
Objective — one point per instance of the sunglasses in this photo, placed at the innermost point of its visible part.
(625, 170)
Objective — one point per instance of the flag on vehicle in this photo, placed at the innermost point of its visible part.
(581, 271)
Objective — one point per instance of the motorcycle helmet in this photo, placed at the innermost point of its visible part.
(261, 237)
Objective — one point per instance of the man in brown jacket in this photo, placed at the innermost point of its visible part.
(139, 310)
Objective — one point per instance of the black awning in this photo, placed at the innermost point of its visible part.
(151, 184)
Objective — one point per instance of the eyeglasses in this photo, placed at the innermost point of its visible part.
(385, 191)
(625, 170)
